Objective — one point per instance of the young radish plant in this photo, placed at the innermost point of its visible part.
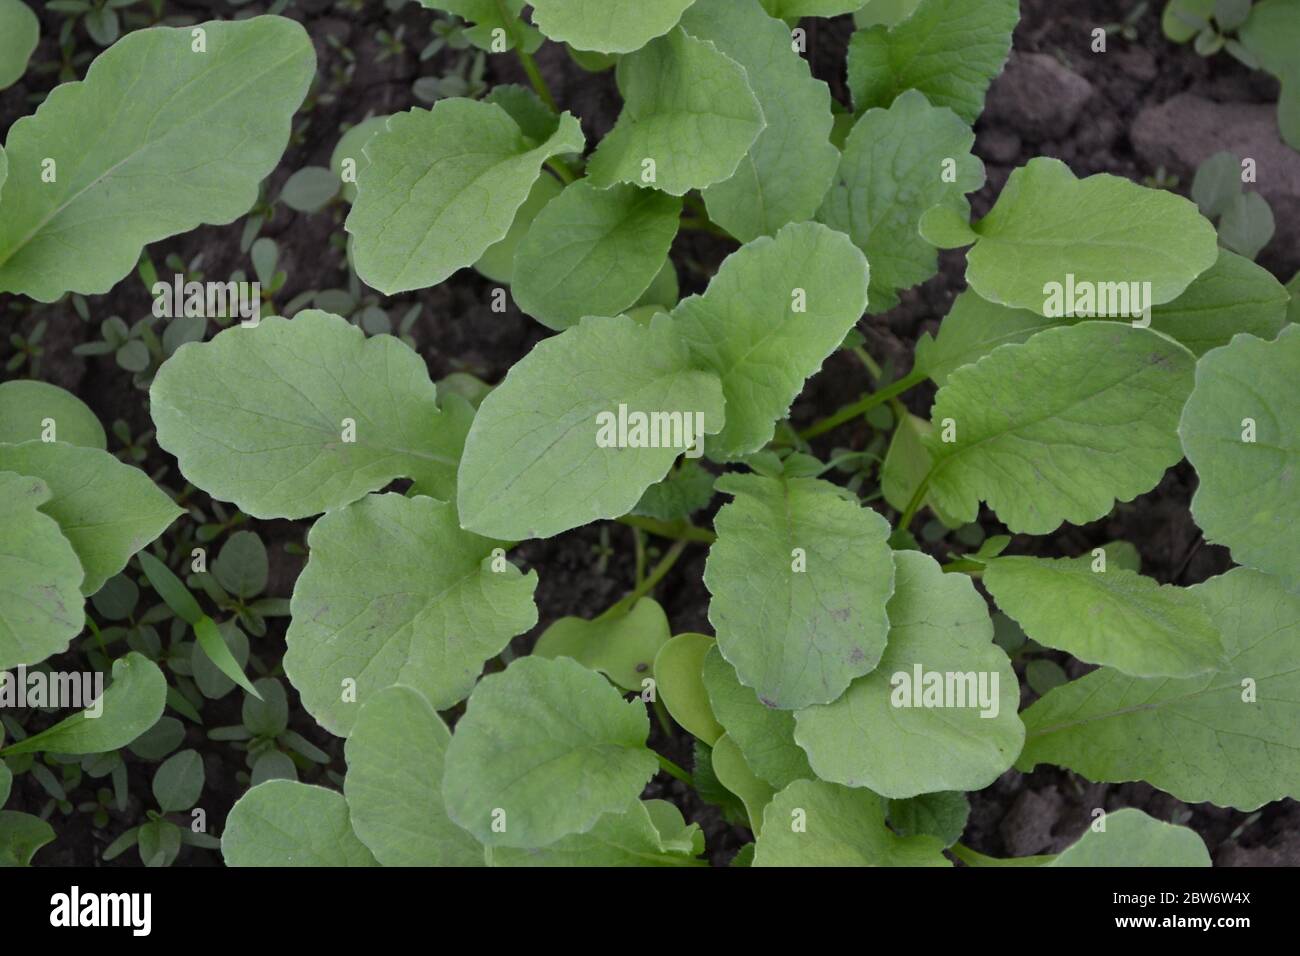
(853, 691)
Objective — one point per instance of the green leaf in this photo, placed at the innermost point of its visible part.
(689, 117)
(814, 823)
(607, 26)
(40, 576)
(907, 463)
(799, 575)
(396, 593)
(1048, 225)
(351, 150)
(1060, 427)
(787, 171)
(1216, 184)
(618, 839)
(107, 510)
(1132, 838)
(621, 646)
(442, 186)
(6, 782)
(769, 318)
(897, 164)
(879, 735)
(310, 189)
(1112, 617)
(215, 648)
(544, 750)
(498, 262)
(942, 815)
(19, 33)
(543, 456)
(129, 707)
(1233, 295)
(489, 16)
(1272, 35)
(686, 490)
(1241, 432)
(188, 146)
(171, 589)
(593, 252)
(394, 784)
(286, 823)
(1248, 225)
(764, 735)
(1183, 19)
(1226, 737)
(259, 416)
(735, 773)
(25, 405)
(950, 50)
(679, 677)
(973, 328)
(178, 784)
(242, 567)
(21, 835)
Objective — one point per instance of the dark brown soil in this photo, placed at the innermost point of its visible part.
(457, 331)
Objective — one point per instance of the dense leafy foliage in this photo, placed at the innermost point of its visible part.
(854, 690)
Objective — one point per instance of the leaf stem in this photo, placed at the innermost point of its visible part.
(864, 404)
(677, 531)
(628, 601)
(914, 505)
(673, 770)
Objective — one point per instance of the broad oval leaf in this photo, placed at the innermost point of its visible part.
(950, 50)
(28, 406)
(787, 171)
(394, 592)
(886, 733)
(607, 26)
(1241, 431)
(1103, 231)
(286, 823)
(622, 646)
(633, 838)
(130, 706)
(796, 9)
(769, 318)
(21, 835)
(556, 445)
(394, 784)
(40, 576)
(1234, 295)
(894, 169)
(688, 119)
(107, 510)
(441, 187)
(178, 783)
(260, 416)
(1112, 617)
(764, 734)
(1060, 427)
(1132, 838)
(840, 827)
(545, 749)
(734, 772)
(679, 679)
(498, 262)
(800, 576)
(593, 252)
(189, 145)
(1227, 737)
(19, 33)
